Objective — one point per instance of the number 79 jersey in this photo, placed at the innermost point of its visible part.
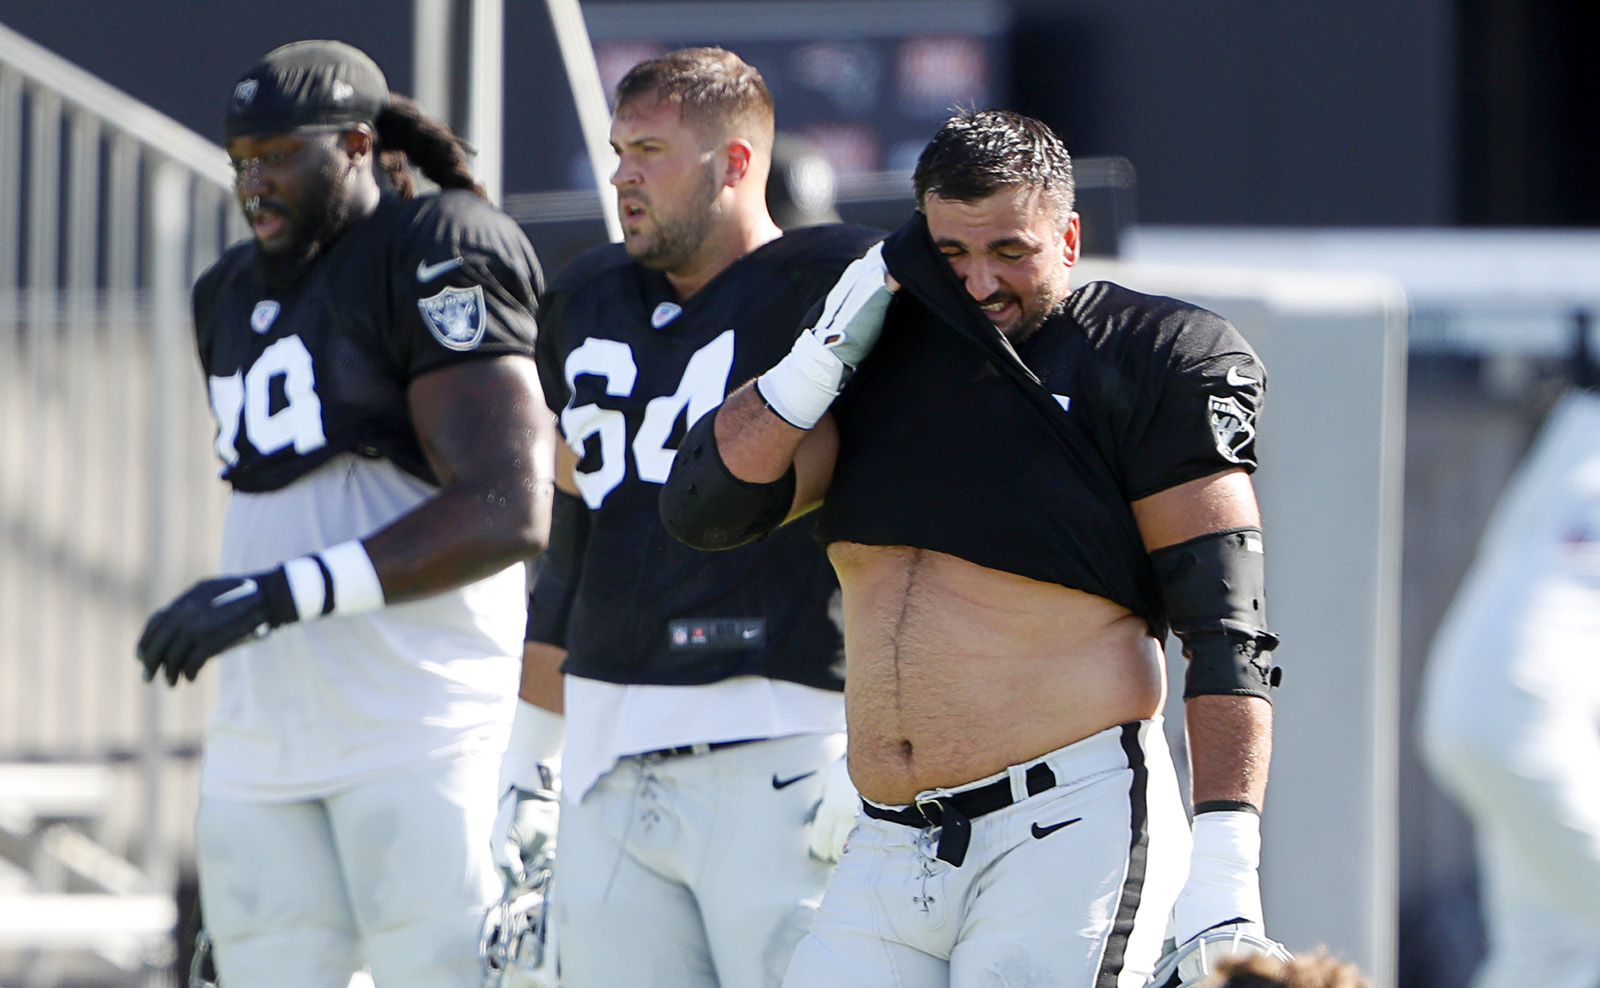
(301, 373)
(628, 369)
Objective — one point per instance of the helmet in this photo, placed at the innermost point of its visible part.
(202, 966)
(517, 946)
(1190, 965)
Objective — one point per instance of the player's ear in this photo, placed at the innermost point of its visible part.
(1071, 240)
(357, 142)
(739, 153)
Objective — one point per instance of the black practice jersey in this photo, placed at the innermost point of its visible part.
(940, 450)
(629, 369)
(301, 373)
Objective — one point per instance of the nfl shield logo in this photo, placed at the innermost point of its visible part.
(262, 316)
(1232, 425)
(455, 317)
(244, 92)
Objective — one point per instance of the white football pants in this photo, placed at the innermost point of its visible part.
(1510, 720)
(1070, 888)
(692, 871)
(393, 873)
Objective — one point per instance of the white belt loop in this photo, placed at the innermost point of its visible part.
(1018, 774)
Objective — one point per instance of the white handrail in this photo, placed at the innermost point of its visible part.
(117, 109)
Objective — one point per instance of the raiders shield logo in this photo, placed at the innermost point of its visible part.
(1232, 425)
(455, 317)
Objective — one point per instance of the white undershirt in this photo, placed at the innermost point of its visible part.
(606, 721)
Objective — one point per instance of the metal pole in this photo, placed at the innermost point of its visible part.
(594, 116)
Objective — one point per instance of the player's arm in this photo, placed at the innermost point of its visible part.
(525, 824)
(1205, 541)
(767, 453)
(488, 437)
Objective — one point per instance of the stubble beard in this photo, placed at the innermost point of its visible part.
(1042, 306)
(320, 215)
(677, 239)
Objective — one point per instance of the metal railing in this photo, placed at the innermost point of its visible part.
(108, 499)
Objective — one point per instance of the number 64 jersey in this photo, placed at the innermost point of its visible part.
(308, 383)
(628, 368)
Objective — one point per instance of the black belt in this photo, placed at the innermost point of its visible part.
(698, 748)
(953, 814)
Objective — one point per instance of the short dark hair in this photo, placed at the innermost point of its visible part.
(976, 153)
(714, 89)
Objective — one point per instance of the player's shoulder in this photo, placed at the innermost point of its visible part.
(236, 261)
(1120, 318)
(451, 218)
(829, 247)
(598, 267)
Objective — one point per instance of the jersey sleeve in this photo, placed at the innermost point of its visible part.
(1204, 411)
(548, 352)
(465, 285)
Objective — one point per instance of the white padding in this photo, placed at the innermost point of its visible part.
(355, 582)
(307, 586)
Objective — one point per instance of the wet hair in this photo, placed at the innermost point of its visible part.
(428, 144)
(976, 153)
(714, 89)
(1315, 970)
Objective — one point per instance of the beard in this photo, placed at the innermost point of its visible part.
(320, 215)
(1036, 309)
(676, 239)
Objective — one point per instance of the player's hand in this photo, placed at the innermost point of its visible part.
(525, 830)
(801, 386)
(524, 835)
(852, 314)
(212, 616)
(835, 816)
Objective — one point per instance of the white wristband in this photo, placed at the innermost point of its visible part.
(1228, 837)
(801, 386)
(337, 580)
(536, 739)
(1223, 883)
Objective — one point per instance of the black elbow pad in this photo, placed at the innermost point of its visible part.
(1214, 588)
(705, 506)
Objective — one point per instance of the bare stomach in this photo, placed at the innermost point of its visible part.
(957, 671)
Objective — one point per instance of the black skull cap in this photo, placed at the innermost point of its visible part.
(306, 84)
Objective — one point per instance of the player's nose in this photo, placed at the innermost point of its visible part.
(979, 278)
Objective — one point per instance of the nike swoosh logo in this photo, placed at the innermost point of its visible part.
(1040, 833)
(778, 783)
(427, 272)
(1238, 380)
(246, 588)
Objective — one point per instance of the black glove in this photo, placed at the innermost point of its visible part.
(211, 617)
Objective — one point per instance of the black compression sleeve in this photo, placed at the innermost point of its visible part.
(558, 570)
(705, 506)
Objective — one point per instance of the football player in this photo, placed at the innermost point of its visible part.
(369, 363)
(703, 793)
(1022, 488)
